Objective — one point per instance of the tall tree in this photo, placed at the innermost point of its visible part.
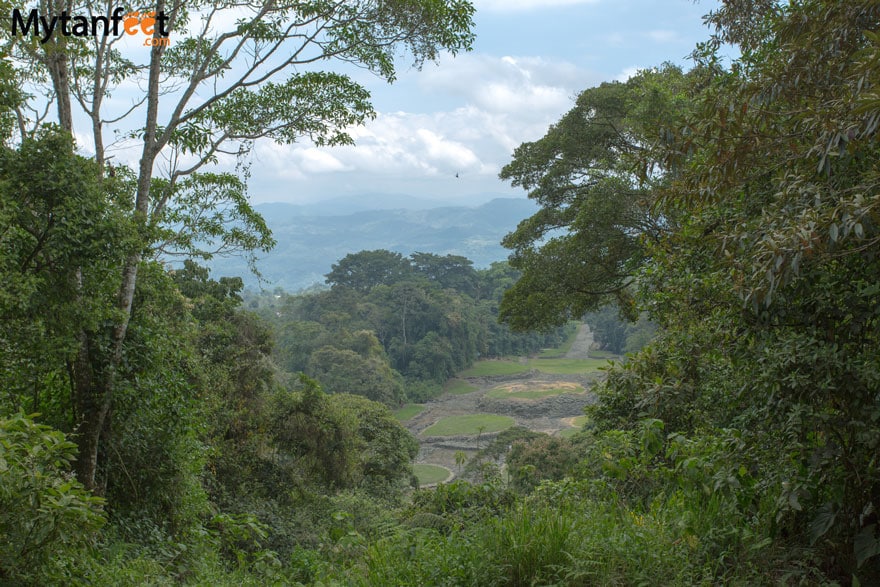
(211, 90)
(365, 270)
(766, 285)
(585, 244)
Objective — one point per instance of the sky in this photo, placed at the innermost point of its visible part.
(443, 133)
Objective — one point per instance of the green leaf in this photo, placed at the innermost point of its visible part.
(866, 545)
(822, 522)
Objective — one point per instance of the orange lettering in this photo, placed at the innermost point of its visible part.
(147, 24)
(131, 23)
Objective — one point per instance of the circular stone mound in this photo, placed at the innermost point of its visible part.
(431, 474)
(533, 389)
(467, 425)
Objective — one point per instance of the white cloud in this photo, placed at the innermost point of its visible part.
(507, 101)
(627, 73)
(531, 87)
(451, 153)
(315, 160)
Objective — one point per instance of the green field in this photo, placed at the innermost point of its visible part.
(567, 366)
(408, 412)
(578, 423)
(459, 387)
(505, 392)
(604, 355)
(492, 367)
(468, 424)
(428, 474)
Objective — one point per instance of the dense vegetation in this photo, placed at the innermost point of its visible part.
(734, 207)
(393, 328)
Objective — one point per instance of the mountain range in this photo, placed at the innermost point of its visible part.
(312, 237)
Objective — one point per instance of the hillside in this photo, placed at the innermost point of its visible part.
(311, 239)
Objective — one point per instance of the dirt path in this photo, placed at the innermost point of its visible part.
(583, 342)
(548, 415)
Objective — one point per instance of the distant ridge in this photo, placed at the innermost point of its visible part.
(309, 241)
(345, 205)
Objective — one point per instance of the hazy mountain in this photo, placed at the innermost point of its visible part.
(309, 241)
(346, 205)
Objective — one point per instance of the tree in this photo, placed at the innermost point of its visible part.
(450, 271)
(345, 371)
(56, 266)
(432, 359)
(766, 284)
(46, 520)
(788, 182)
(583, 247)
(210, 93)
(365, 270)
(342, 440)
(386, 448)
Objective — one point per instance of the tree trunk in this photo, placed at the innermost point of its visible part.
(95, 392)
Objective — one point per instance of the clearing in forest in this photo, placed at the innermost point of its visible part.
(408, 412)
(546, 393)
(468, 424)
(533, 389)
(431, 474)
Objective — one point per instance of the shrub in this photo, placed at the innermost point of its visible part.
(47, 518)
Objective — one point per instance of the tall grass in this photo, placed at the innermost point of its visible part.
(493, 367)
(567, 366)
(580, 533)
(408, 412)
(459, 387)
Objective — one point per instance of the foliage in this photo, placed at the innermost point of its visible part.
(55, 268)
(216, 91)
(342, 440)
(735, 208)
(345, 371)
(364, 270)
(585, 244)
(780, 153)
(757, 260)
(430, 317)
(544, 457)
(154, 461)
(617, 335)
(47, 519)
